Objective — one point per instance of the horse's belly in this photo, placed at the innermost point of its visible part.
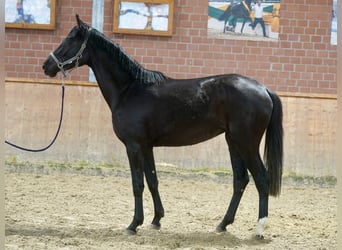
(188, 136)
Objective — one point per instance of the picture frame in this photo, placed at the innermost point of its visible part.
(30, 14)
(143, 17)
(235, 20)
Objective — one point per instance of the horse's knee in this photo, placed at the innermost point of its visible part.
(138, 189)
(152, 182)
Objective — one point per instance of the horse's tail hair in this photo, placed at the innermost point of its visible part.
(273, 154)
(225, 15)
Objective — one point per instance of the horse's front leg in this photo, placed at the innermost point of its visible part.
(152, 181)
(224, 26)
(135, 157)
(243, 25)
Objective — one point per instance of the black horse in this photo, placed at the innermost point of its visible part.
(233, 13)
(150, 109)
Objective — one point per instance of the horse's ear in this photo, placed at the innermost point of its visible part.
(79, 21)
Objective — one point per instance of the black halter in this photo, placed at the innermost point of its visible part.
(77, 57)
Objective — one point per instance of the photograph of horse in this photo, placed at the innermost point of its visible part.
(234, 12)
(150, 109)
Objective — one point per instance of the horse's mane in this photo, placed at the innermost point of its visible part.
(138, 72)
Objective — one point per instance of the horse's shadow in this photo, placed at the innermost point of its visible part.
(162, 238)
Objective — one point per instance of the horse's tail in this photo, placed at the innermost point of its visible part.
(225, 15)
(273, 154)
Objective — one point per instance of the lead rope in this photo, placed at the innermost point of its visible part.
(56, 135)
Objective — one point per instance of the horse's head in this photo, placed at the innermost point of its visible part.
(248, 2)
(71, 52)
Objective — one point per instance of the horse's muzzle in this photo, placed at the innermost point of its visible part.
(49, 67)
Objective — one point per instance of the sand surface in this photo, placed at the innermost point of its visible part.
(83, 210)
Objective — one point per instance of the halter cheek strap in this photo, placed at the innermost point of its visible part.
(77, 57)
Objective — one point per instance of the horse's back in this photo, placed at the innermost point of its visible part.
(234, 88)
(214, 103)
(234, 91)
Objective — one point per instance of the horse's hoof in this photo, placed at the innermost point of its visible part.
(155, 227)
(130, 232)
(220, 229)
(259, 237)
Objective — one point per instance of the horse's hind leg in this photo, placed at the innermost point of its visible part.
(152, 182)
(261, 180)
(241, 180)
(234, 22)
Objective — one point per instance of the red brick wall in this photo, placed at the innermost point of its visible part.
(302, 61)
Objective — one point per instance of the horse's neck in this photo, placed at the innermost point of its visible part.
(109, 77)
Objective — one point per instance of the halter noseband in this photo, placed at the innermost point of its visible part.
(77, 57)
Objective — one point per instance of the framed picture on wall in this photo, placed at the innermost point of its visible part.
(244, 19)
(143, 17)
(30, 14)
(333, 39)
